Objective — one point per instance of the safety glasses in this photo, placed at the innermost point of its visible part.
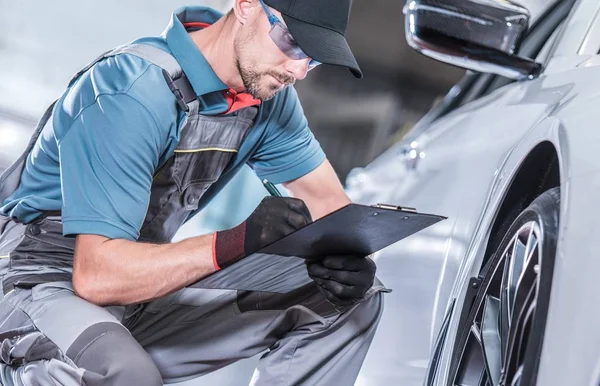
(284, 40)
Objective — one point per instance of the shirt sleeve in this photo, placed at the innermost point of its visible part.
(107, 161)
(289, 149)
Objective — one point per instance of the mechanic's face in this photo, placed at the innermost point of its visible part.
(264, 68)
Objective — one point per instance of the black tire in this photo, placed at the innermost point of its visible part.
(521, 344)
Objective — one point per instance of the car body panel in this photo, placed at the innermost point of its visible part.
(471, 157)
(570, 352)
(578, 27)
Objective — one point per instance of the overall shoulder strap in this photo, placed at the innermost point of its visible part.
(174, 76)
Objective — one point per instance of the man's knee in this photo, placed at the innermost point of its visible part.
(111, 356)
(366, 314)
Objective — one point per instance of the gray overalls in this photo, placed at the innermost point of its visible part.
(50, 336)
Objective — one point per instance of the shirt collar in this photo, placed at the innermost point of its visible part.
(197, 69)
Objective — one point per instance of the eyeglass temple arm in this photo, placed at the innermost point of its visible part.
(272, 18)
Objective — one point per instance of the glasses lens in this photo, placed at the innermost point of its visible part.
(312, 64)
(284, 40)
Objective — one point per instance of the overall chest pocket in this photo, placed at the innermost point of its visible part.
(200, 167)
(206, 148)
(195, 172)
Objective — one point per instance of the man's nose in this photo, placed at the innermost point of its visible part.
(299, 67)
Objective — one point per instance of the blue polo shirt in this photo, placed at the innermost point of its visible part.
(118, 123)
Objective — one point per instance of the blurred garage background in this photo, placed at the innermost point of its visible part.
(43, 43)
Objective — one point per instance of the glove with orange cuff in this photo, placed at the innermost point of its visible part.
(273, 218)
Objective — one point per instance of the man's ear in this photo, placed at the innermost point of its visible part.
(243, 9)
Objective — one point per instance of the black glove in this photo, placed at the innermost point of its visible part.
(344, 280)
(273, 218)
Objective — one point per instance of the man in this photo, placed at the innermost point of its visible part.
(95, 292)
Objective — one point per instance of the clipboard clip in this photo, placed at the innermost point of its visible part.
(395, 207)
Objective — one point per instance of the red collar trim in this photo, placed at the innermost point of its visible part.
(234, 100)
(239, 101)
(193, 24)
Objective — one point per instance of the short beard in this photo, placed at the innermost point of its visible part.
(251, 78)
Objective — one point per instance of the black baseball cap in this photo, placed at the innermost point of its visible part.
(319, 28)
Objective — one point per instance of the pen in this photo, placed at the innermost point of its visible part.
(271, 188)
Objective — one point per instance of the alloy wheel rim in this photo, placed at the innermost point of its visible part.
(494, 353)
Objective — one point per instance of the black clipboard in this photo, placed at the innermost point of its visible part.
(354, 229)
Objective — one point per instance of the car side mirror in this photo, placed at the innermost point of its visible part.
(479, 35)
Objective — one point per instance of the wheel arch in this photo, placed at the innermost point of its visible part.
(539, 172)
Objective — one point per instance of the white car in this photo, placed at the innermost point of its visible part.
(503, 291)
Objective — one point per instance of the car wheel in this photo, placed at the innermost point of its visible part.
(500, 341)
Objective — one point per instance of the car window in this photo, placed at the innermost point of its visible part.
(539, 39)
